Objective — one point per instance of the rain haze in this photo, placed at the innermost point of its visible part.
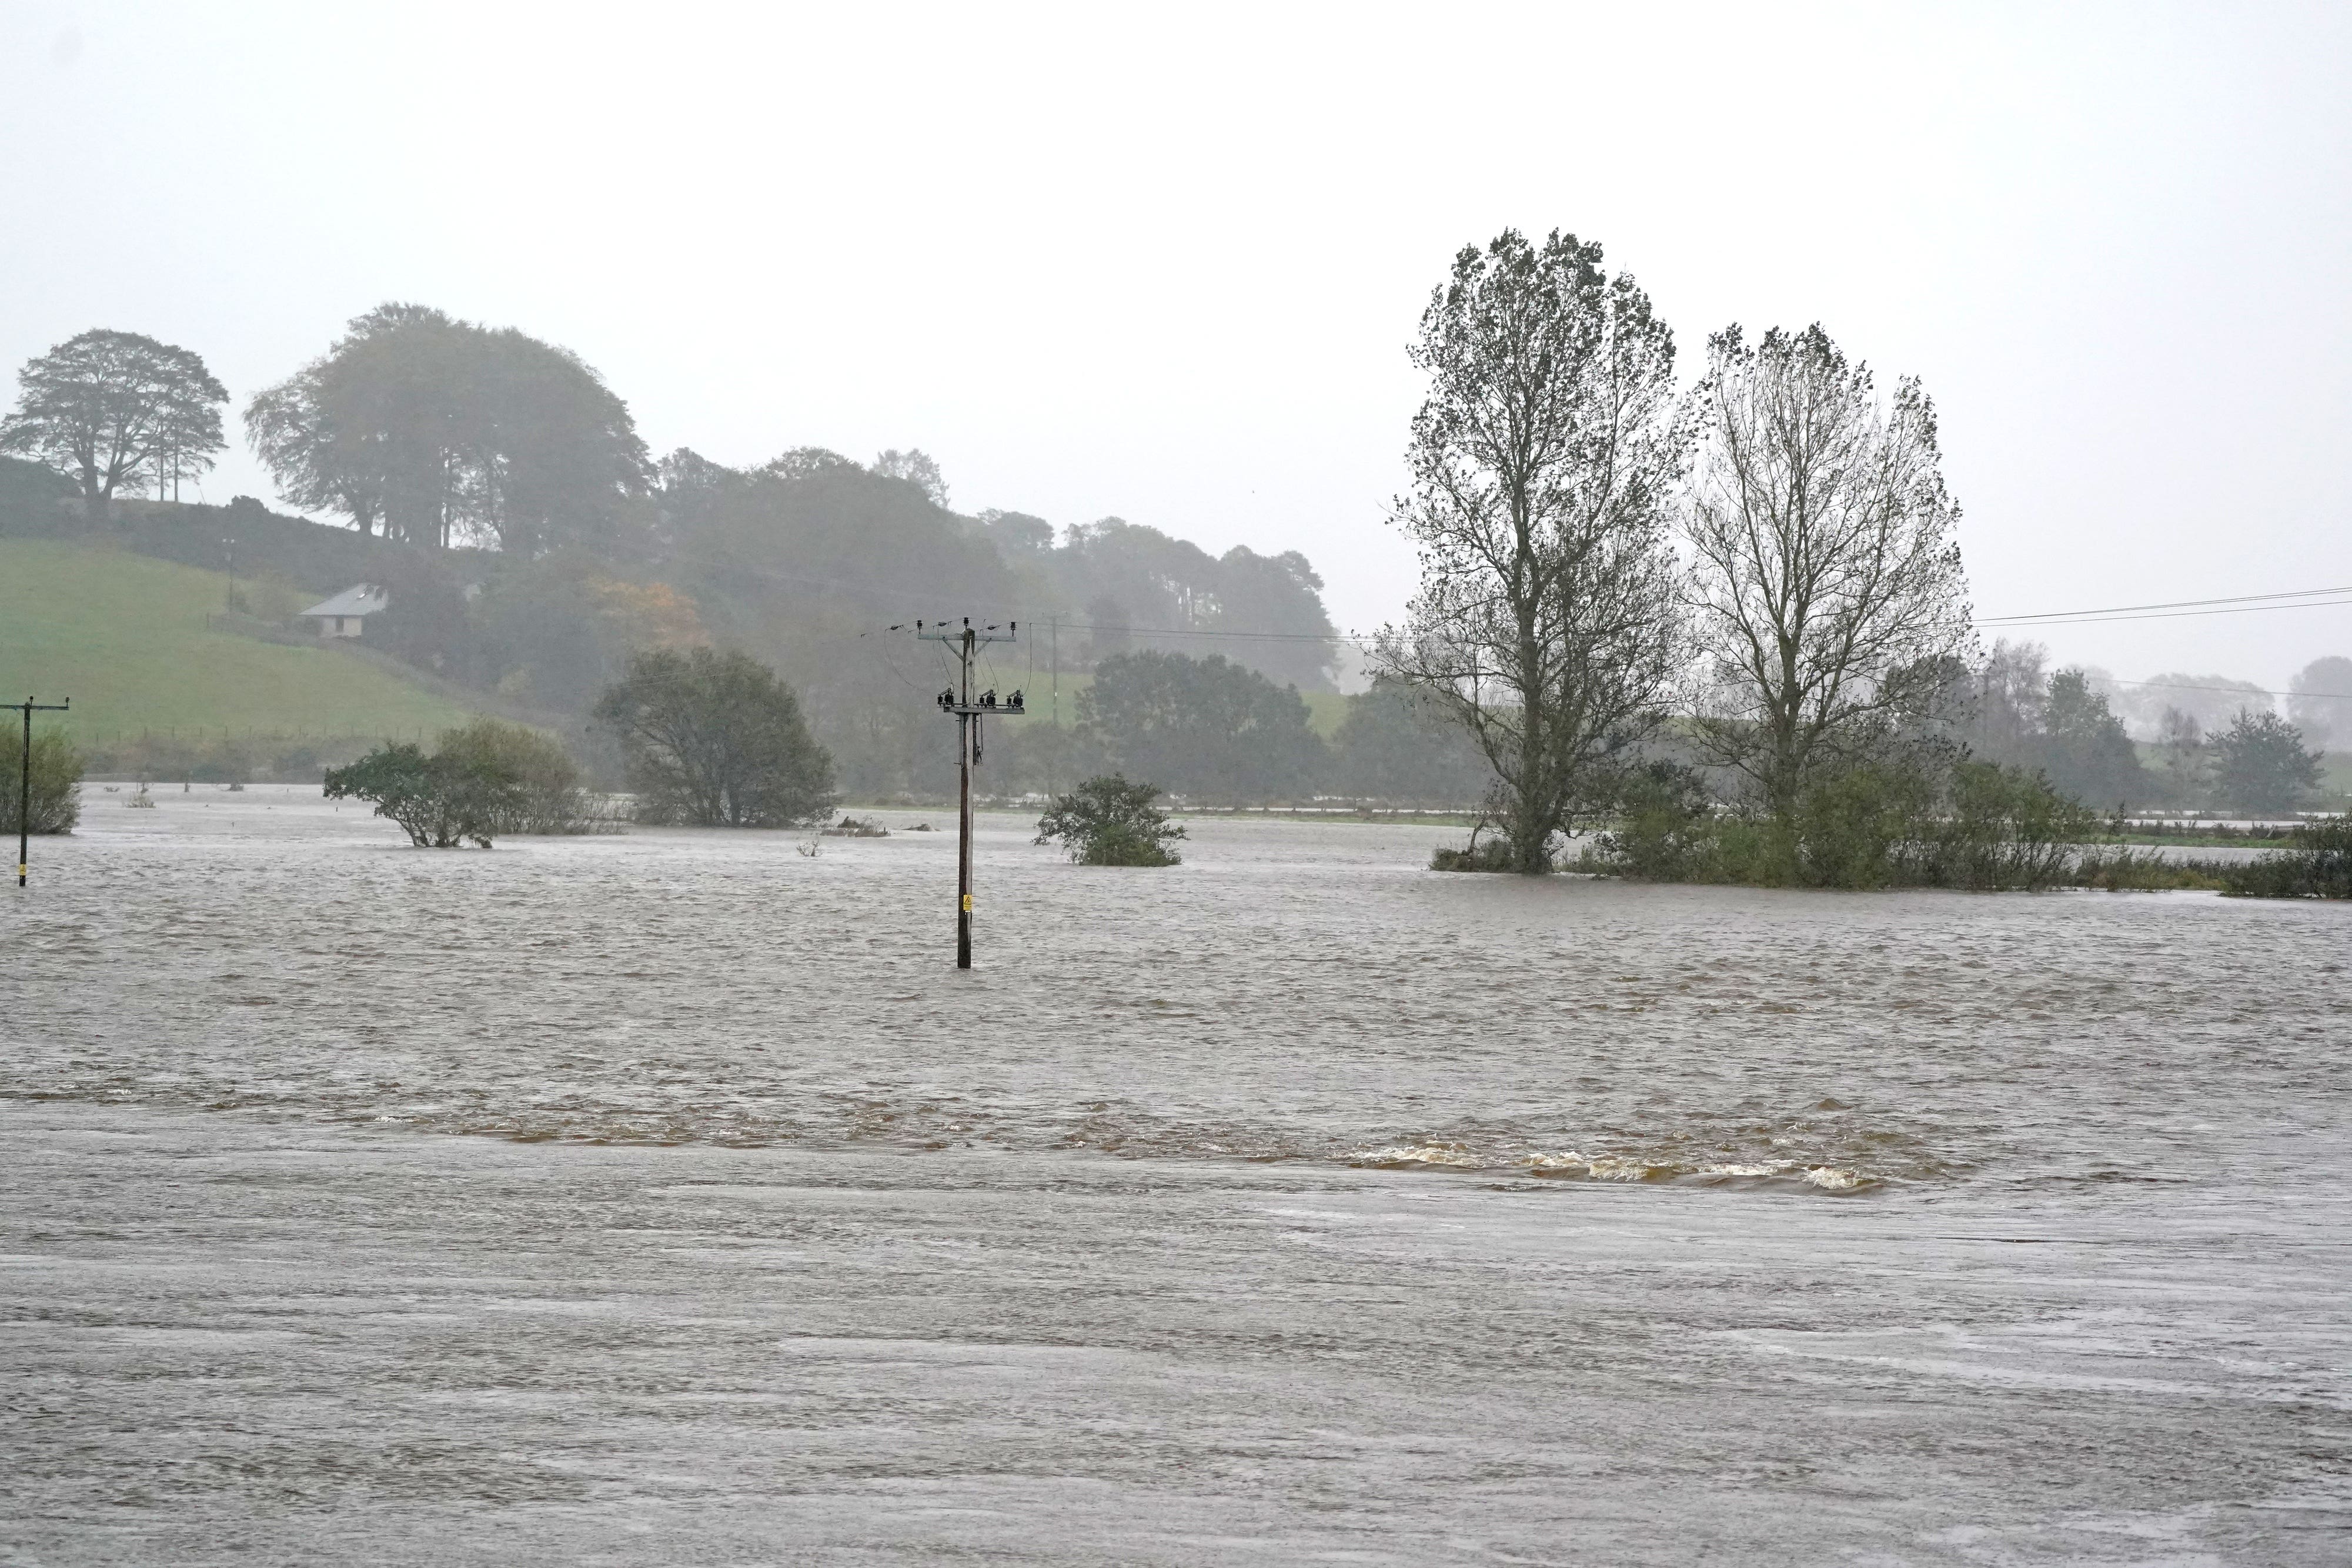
(1164, 266)
(1210, 785)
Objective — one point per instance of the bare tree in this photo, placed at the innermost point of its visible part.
(116, 409)
(1543, 463)
(1827, 587)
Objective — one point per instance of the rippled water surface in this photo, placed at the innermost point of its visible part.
(669, 1197)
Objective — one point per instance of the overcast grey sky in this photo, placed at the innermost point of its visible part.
(1163, 263)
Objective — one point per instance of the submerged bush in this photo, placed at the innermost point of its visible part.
(2006, 828)
(55, 804)
(1495, 854)
(549, 798)
(716, 740)
(1666, 829)
(1109, 822)
(440, 801)
(1978, 826)
(2316, 863)
(484, 779)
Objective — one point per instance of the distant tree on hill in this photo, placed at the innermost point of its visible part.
(917, 468)
(114, 410)
(2261, 765)
(2320, 700)
(1154, 591)
(714, 739)
(447, 433)
(556, 633)
(1208, 727)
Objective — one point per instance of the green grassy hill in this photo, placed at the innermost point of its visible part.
(127, 638)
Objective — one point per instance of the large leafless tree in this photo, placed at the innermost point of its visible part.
(1543, 463)
(1827, 590)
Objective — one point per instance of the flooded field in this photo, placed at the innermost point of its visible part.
(669, 1197)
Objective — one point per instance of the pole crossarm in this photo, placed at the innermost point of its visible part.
(25, 779)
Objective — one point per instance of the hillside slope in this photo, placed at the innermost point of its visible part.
(127, 638)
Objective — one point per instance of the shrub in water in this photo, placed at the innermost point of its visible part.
(2006, 828)
(1495, 855)
(547, 799)
(1665, 831)
(1109, 822)
(440, 801)
(717, 740)
(2317, 864)
(57, 780)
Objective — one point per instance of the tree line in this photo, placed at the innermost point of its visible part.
(1758, 581)
(531, 543)
(1743, 607)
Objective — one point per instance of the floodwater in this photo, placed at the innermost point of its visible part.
(670, 1198)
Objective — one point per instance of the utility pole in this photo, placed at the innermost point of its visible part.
(25, 779)
(965, 643)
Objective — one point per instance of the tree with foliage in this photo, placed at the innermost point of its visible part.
(110, 410)
(1211, 728)
(2261, 763)
(1138, 588)
(445, 432)
(558, 631)
(56, 803)
(2022, 716)
(459, 793)
(917, 467)
(547, 796)
(1543, 460)
(1396, 745)
(1109, 822)
(2320, 701)
(716, 740)
(1827, 588)
(2084, 748)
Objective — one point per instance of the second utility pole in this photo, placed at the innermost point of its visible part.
(25, 779)
(965, 643)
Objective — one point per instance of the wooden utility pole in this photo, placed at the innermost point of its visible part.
(965, 643)
(25, 779)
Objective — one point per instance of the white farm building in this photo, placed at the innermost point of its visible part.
(347, 612)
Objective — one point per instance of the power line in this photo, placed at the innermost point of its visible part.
(2239, 604)
(2248, 599)
(2228, 691)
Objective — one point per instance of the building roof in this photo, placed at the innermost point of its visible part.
(360, 598)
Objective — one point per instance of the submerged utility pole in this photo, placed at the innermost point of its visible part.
(25, 779)
(965, 642)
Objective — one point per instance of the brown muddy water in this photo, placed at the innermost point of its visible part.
(669, 1197)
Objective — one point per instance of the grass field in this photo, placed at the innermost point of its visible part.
(126, 638)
